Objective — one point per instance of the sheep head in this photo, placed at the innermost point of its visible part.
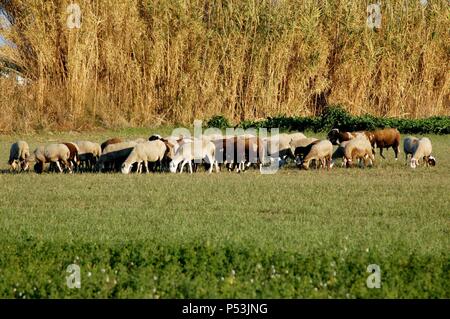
(173, 167)
(126, 168)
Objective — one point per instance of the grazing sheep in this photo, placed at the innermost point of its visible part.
(302, 142)
(320, 151)
(88, 153)
(302, 150)
(115, 140)
(114, 155)
(339, 153)
(18, 155)
(57, 154)
(53, 154)
(410, 144)
(147, 152)
(39, 159)
(385, 138)
(187, 152)
(358, 149)
(172, 144)
(422, 149)
(73, 158)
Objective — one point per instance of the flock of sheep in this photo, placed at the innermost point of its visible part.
(174, 153)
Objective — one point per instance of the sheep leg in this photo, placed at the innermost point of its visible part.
(217, 166)
(190, 167)
(144, 167)
(68, 165)
(182, 166)
(211, 163)
(396, 150)
(59, 166)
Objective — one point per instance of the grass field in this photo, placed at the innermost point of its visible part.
(295, 234)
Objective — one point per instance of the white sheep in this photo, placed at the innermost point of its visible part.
(320, 151)
(421, 149)
(58, 153)
(89, 153)
(19, 155)
(188, 152)
(339, 153)
(358, 148)
(143, 153)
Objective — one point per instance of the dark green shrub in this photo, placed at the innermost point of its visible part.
(218, 121)
(337, 117)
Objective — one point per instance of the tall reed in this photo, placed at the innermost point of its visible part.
(152, 62)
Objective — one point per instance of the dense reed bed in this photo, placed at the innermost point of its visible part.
(146, 63)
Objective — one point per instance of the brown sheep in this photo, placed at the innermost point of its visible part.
(73, 157)
(385, 138)
(114, 140)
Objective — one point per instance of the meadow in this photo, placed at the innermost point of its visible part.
(295, 234)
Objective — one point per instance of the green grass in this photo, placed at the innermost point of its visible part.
(296, 234)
